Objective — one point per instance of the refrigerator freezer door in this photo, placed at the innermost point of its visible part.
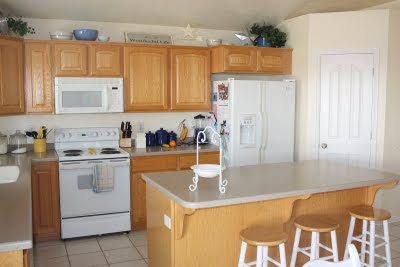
(245, 100)
(279, 118)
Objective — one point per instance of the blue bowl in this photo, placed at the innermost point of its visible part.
(86, 34)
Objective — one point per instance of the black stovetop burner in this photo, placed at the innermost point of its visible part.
(110, 152)
(72, 154)
(108, 149)
(73, 151)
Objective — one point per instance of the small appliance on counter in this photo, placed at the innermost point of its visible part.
(199, 126)
(140, 141)
(150, 139)
(126, 134)
(18, 143)
(3, 144)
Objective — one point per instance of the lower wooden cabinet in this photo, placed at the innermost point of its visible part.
(140, 165)
(45, 201)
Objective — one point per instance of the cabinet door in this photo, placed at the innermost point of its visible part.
(146, 79)
(45, 201)
(242, 59)
(39, 96)
(138, 202)
(106, 60)
(71, 59)
(274, 60)
(11, 76)
(191, 79)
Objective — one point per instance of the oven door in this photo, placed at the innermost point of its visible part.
(83, 98)
(77, 197)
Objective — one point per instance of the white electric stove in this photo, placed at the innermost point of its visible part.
(84, 210)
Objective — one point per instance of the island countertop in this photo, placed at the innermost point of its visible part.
(265, 182)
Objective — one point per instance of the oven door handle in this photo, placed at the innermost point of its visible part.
(75, 165)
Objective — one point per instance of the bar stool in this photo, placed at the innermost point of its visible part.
(262, 238)
(316, 225)
(371, 215)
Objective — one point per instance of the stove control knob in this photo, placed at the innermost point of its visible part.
(69, 135)
(95, 134)
(113, 134)
(63, 135)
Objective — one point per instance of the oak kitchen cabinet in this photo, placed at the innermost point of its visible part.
(77, 59)
(39, 92)
(11, 76)
(45, 201)
(146, 78)
(144, 164)
(190, 79)
(245, 59)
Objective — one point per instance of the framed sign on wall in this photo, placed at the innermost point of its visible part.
(144, 38)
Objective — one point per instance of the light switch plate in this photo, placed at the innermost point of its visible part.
(167, 221)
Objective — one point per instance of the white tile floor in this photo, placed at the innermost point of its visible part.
(114, 250)
(130, 250)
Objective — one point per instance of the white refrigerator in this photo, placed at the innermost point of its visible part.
(259, 118)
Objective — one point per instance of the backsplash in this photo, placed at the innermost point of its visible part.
(151, 121)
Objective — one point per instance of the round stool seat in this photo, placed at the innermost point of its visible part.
(316, 223)
(369, 213)
(263, 236)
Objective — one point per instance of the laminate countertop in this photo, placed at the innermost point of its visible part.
(159, 150)
(265, 182)
(16, 202)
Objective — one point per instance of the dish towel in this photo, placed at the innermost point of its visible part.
(103, 178)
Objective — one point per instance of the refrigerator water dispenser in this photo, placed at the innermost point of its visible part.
(247, 130)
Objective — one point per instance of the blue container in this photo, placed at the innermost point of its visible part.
(150, 139)
(172, 136)
(161, 137)
(86, 34)
(263, 42)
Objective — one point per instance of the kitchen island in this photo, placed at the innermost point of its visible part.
(201, 228)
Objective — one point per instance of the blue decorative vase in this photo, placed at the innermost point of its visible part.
(261, 41)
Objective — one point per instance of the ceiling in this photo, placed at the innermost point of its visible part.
(212, 14)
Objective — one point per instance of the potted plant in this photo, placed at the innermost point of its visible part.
(268, 35)
(19, 27)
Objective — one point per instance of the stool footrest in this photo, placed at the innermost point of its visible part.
(304, 251)
(327, 258)
(325, 247)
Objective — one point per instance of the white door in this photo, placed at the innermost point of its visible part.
(278, 113)
(346, 108)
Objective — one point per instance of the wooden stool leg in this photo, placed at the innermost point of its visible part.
(265, 256)
(372, 244)
(317, 248)
(387, 246)
(334, 246)
(364, 238)
(282, 254)
(295, 247)
(313, 245)
(259, 256)
(242, 254)
(349, 237)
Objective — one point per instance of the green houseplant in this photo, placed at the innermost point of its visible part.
(19, 27)
(268, 35)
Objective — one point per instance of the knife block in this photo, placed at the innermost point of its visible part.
(125, 142)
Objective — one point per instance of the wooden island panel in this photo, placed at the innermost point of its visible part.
(210, 236)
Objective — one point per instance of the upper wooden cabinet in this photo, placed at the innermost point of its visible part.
(146, 79)
(250, 59)
(11, 76)
(39, 92)
(85, 59)
(45, 201)
(190, 79)
(106, 60)
(70, 59)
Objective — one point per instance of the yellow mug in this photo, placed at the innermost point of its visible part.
(39, 145)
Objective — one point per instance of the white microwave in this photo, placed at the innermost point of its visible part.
(89, 95)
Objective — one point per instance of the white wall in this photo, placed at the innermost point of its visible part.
(152, 121)
(391, 160)
(116, 30)
(298, 39)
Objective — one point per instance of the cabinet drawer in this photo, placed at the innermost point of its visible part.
(154, 163)
(185, 161)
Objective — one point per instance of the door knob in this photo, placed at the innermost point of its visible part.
(324, 146)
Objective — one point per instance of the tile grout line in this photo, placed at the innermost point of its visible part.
(102, 251)
(142, 258)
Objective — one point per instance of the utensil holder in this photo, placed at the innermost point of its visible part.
(39, 145)
(125, 142)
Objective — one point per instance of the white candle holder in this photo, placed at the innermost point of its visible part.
(208, 170)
